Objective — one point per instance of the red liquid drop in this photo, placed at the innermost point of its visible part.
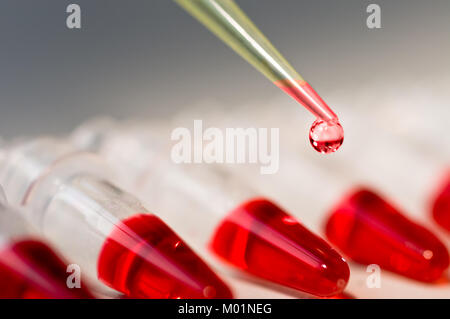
(441, 205)
(30, 269)
(144, 258)
(326, 137)
(370, 231)
(262, 239)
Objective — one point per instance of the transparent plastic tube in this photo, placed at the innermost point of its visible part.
(29, 268)
(371, 230)
(105, 230)
(214, 210)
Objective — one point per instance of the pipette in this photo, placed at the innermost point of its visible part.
(228, 22)
(440, 203)
(243, 228)
(29, 268)
(106, 231)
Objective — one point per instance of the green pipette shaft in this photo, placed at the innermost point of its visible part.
(228, 22)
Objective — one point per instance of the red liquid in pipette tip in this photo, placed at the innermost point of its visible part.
(369, 230)
(326, 134)
(260, 238)
(342, 295)
(31, 270)
(144, 258)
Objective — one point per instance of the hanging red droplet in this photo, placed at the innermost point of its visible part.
(29, 269)
(369, 230)
(260, 238)
(144, 258)
(441, 204)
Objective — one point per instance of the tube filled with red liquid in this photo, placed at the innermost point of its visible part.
(103, 229)
(29, 268)
(370, 230)
(246, 230)
(440, 207)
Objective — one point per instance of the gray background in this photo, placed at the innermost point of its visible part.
(150, 58)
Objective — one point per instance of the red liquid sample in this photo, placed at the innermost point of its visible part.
(260, 238)
(326, 137)
(144, 258)
(30, 269)
(441, 205)
(342, 295)
(371, 231)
